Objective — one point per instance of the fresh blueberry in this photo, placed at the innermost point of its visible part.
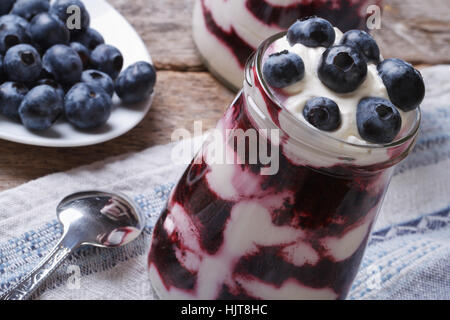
(14, 19)
(342, 68)
(11, 96)
(100, 79)
(364, 42)
(322, 113)
(60, 9)
(107, 59)
(87, 107)
(29, 8)
(136, 82)
(12, 33)
(64, 64)
(40, 108)
(404, 84)
(3, 75)
(47, 30)
(378, 120)
(22, 63)
(55, 85)
(313, 32)
(83, 52)
(5, 6)
(283, 69)
(90, 38)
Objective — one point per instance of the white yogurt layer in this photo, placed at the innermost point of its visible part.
(230, 16)
(217, 55)
(295, 97)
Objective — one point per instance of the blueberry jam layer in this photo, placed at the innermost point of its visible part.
(229, 232)
(344, 14)
(230, 39)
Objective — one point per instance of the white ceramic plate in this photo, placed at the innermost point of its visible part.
(117, 32)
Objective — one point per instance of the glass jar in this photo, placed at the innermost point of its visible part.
(238, 226)
(227, 32)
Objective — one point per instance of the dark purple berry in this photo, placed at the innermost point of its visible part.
(40, 108)
(342, 68)
(11, 96)
(87, 107)
(283, 69)
(378, 120)
(364, 42)
(136, 83)
(107, 59)
(22, 63)
(64, 64)
(46, 31)
(404, 84)
(322, 113)
(313, 32)
(29, 8)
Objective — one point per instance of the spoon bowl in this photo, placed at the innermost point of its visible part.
(90, 218)
(100, 218)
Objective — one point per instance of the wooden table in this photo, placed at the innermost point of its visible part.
(414, 30)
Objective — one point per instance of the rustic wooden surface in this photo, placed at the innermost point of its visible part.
(415, 30)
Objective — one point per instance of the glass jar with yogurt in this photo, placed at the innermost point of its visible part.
(296, 227)
(227, 32)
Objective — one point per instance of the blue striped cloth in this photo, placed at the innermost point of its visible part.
(408, 256)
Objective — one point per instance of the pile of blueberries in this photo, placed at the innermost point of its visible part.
(48, 70)
(342, 69)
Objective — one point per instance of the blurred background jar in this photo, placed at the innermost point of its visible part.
(227, 32)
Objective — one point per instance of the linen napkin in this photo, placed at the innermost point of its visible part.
(408, 256)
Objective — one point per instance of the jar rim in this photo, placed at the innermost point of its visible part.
(258, 56)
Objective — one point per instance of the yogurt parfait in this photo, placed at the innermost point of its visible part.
(345, 118)
(227, 32)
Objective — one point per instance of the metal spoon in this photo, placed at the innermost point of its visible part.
(92, 218)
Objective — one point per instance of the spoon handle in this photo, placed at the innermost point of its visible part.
(25, 288)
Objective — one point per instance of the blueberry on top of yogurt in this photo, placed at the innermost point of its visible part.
(378, 120)
(283, 69)
(364, 42)
(342, 68)
(339, 83)
(314, 32)
(322, 113)
(404, 84)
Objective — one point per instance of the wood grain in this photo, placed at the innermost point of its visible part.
(416, 30)
(165, 26)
